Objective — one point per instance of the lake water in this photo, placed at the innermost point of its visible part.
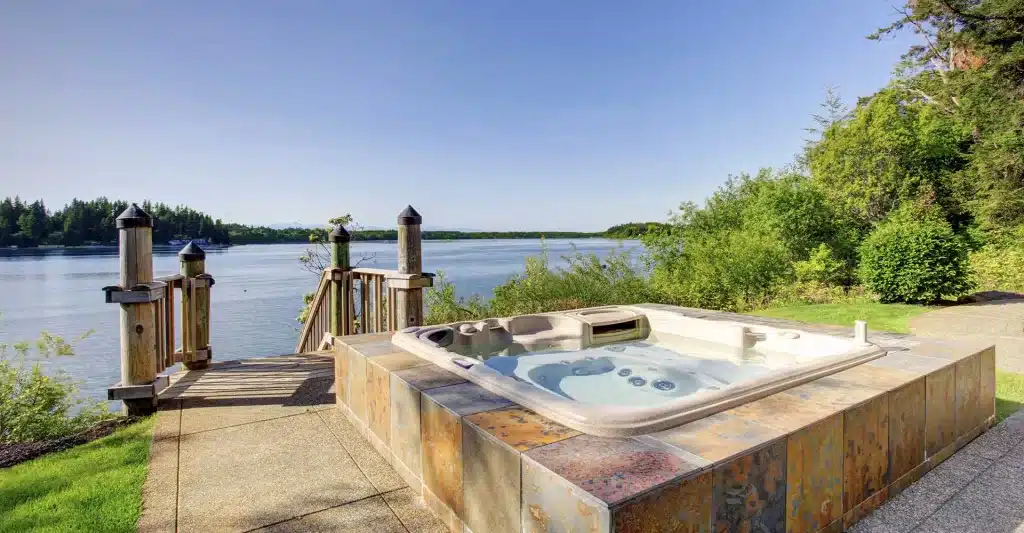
(255, 301)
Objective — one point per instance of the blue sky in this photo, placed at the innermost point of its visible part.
(489, 114)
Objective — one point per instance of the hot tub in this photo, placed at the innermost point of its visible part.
(630, 370)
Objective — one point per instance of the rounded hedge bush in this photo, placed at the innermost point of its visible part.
(908, 260)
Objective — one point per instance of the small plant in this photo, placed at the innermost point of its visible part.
(915, 259)
(35, 406)
(822, 267)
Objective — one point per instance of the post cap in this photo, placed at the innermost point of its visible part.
(339, 234)
(134, 217)
(191, 252)
(409, 217)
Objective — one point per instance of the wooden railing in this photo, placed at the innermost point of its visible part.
(318, 319)
(370, 304)
(350, 301)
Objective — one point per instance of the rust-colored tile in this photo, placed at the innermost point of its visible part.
(866, 459)
(784, 412)
(441, 436)
(353, 340)
(968, 394)
(399, 361)
(940, 418)
(835, 393)
(341, 359)
(613, 470)
(906, 428)
(876, 377)
(987, 402)
(951, 350)
(491, 482)
(467, 398)
(520, 428)
(405, 426)
(865, 508)
(907, 362)
(378, 402)
(814, 476)
(834, 527)
(552, 504)
(357, 385)
(717, 437)
(377, 348)
(750, 491)
(427, 377)
(681, 507)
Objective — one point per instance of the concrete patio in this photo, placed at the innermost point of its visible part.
(257, 445)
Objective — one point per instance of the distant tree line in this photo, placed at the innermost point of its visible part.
(92, 222)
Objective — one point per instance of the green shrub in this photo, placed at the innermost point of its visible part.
(912, 258)
(443, 306)
(999, 266)
(34, 406)
(728, 270)
(586, 281)
(823, 267)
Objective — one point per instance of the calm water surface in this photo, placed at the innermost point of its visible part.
(254, 303)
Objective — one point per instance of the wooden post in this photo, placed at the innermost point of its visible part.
(195, 308)
(138, 320)
(409, 301)
(340, 261)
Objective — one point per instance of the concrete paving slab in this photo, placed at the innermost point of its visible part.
(258, 474)
(371, 515)
(375, 467)
(160, 491)
(413, 513)
(992, 504)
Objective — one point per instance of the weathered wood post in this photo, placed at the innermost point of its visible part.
(341, 262)
(138, 318)
(409, 295)
(195, 308)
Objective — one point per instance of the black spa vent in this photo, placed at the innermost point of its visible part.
(617, 327)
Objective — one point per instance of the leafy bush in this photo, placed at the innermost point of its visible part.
(729, 270)
(586, 281)
(34, 406)
(822, 266)
(738, 251)
(915, 259)
(444, 307)
(999, 266)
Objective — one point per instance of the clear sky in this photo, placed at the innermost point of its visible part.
(486, 114)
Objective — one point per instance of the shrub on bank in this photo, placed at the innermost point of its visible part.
(35, 406)
(586, 281)
(727, 270)
(916, 260)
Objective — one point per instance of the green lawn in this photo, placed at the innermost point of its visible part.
(95, 487)
(1009, 393)
(885, 317)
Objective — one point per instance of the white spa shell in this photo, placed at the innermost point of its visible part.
(817, 355)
